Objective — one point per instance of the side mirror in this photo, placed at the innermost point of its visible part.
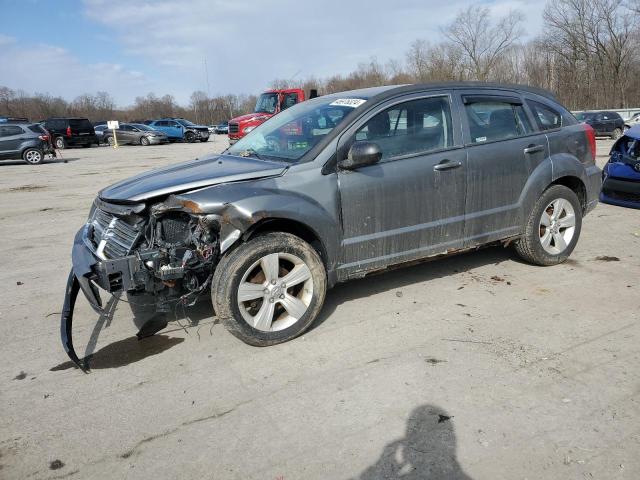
(361, 154)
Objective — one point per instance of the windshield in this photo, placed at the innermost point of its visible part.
(186, 123)
(267, 103)
(293, 132)
(146, 128)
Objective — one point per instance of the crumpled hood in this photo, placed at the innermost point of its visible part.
(198, 173)
(252, 116)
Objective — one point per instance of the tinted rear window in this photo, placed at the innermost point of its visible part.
(37, 129)
(79, 123)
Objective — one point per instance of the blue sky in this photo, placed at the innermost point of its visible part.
(130, 48)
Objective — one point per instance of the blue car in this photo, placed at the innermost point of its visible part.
(181, 129)
(621, 174)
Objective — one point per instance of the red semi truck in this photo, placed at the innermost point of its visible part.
(269, 103)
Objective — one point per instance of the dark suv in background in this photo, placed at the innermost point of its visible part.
(71, 132)
(609, 124)
(28, 141)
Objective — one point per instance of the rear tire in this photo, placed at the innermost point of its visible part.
(284, 282)
(553, 227)
(33, 156)
(60, 143)
(617, 133)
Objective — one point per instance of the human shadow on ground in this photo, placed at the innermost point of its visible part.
(426, 452)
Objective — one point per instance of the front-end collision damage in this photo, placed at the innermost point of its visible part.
(169, 247)
(168, 250)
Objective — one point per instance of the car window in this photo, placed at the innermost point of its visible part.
(127, 128)
(55, 125)
(10, 130)
(417, 126)
(546, 117)
(172, 124)
(162, 123)
(76, 123)
(290, 99)
(37, 129)
(490, 121)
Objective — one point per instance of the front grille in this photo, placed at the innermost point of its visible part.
(234, 128)
(112, 236)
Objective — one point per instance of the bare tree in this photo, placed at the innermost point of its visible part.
(482, 40)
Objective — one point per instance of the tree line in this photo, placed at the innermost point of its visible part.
(587, 54)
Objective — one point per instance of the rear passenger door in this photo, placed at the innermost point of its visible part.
(125, 133)
(503, 149)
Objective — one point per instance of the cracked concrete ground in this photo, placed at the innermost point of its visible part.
(477, 366)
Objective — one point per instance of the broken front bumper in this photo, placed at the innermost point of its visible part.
(87, 274)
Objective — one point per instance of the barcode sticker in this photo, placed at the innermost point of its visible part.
(347, 102)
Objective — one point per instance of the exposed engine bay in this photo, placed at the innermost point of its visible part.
(161, 250)
(170, 254)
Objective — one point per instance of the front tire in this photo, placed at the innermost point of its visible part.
(60, 143)
(270, 289)
(617, 133)
(553, 227)
(189, 137)
(144, 141)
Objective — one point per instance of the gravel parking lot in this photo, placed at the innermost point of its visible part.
(478, 366)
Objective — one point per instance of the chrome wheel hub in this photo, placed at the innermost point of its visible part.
(557, 226)
(275, 292)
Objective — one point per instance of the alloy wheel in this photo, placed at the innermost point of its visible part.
(275, 292)
(557, 226)
(33, 156)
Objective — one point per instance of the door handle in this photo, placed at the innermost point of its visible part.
(446, 165)
(534, 149)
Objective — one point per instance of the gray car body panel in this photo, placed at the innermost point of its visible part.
(245, 192)
(198, 173)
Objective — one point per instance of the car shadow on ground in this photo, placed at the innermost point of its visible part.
(427, 450)
(399, 277)
(17, 163)
(132, 349)
(200, 315)
(124, 352)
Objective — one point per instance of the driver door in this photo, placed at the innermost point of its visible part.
(411, 204)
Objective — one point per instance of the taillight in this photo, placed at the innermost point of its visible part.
(591, 139)
(68, 131)
(44, 138)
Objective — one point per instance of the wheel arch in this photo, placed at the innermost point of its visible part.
(294, 227)
(576, 185)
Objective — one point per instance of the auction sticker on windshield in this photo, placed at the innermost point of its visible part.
(348, 102)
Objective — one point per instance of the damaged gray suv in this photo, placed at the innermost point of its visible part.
(335, 188)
